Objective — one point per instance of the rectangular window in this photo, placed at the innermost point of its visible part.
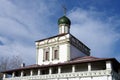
(47, 55)
(55, 54)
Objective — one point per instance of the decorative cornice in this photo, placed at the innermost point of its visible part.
(78, 44)
(61, 40)
(53, 41)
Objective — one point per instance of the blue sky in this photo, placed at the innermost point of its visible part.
(94, 22)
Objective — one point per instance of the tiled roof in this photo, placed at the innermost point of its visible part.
(87, 59)
(78, 60)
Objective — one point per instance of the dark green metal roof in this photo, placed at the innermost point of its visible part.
(64, 20)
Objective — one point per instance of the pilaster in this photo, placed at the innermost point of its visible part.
(13, 74)
(38, 71)
(22, 73)
(37, 53)
(89, 66)
(31, 72)
(59, 70)
(50, 70)
(4, 75)
(108, 65)
(73, 68)
(68, 51)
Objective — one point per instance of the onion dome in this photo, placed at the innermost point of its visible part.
(64, 20)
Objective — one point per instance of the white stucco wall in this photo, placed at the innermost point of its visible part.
(40, 56)
(74, 52)
(63, 55)
(66, 52)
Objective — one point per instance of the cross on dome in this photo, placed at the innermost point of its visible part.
(64, 9)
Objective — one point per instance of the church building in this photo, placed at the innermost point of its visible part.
(64, 57)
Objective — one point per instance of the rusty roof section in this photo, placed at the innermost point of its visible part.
(79, 60)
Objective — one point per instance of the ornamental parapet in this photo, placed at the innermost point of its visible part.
(64, 75)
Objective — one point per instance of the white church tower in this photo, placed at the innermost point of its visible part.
(62, 47)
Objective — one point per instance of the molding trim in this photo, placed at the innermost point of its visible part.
(75, 42)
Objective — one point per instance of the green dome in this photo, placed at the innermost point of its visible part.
(64, 20)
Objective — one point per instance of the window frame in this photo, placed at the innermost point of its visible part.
(46, 54)
(55, 53)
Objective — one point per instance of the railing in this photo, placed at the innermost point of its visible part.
(64, 75)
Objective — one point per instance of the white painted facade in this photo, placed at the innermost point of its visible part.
(66, 49)
(62, 56)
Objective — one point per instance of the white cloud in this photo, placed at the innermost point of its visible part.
(21, 25)
(99, 34)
